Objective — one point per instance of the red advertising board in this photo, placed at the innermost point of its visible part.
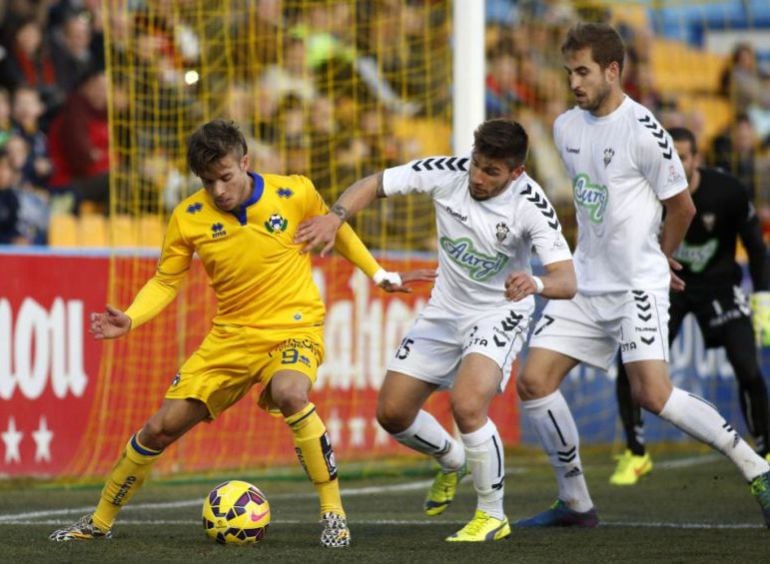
(68, 403)
(48, 364)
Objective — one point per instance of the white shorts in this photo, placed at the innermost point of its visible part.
(439, 339)
(592, 328)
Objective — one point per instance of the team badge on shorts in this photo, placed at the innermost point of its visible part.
(176, 379)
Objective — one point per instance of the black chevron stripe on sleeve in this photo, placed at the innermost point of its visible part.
(659, 134)
(543, 205)
(453, 164)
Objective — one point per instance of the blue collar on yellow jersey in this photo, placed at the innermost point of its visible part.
(259, 188)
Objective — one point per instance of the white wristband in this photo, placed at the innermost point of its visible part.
(383, 275)
(539, 286)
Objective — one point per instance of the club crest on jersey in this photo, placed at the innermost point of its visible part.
(501, 231)
(276, 222)
(709, 219)
(591, 197)
(480, 266)
(609, 152)
(218, 230)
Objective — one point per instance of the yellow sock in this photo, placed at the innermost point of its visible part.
(316, 455)
(124, 480)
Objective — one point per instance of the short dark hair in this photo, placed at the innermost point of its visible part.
(502, 139)
(213, 141)
(604, 41)
(684, 134)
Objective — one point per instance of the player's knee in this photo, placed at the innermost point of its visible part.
(153, 435)
(530, 388)
(650, 400)
(469, 412)
(290, 400)
(391, 418)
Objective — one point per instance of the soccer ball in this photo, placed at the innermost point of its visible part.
(236, 512)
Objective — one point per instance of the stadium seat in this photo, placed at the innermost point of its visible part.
(89, 207)
(123, 231)
(63, 230)
(151, 230)
(92, 230)
(679, 68)
(715, 113)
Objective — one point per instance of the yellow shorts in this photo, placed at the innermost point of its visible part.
(232, 359)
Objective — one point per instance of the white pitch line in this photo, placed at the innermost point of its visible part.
(404, 522)
(39, 517)
(346, 492)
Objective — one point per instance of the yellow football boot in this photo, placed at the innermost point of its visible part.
(481, 528)
(442, 492)
(630, 468)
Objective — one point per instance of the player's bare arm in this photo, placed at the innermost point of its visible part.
(559, 282)
(111, 324)
(679, 213)
(319, 232)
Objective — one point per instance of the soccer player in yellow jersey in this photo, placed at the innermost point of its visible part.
(268, 328)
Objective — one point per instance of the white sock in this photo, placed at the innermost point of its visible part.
(426, 435)
(556, 429)
(699, 419)
(486, 461)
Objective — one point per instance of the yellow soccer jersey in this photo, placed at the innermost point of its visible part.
(256, 270)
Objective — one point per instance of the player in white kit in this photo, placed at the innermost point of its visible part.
(490, 215)
(625, 171)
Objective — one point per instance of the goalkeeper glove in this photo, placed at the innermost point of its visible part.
(760, 306)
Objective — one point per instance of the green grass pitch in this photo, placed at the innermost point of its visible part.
(694, 507)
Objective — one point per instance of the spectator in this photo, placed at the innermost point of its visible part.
(33, 210)
(9, 203)
(747, 88)
(26, 113)
(291, 75)
(72, 57)
(6, 126)
(738, 151)
(80, 143)
(505, 92)
(30, 64)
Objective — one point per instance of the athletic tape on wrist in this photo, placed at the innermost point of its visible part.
(539, 286)
(383, 275)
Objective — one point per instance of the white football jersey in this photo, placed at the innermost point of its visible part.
(621, 166)
(480, 242)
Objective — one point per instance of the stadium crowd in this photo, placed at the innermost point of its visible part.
(334, 99)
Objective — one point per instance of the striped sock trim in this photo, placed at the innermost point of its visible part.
(302, 414)
(141, 449)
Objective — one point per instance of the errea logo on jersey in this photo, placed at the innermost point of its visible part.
(480, 266)
(592, 197)
(218, 230)
(193, 208)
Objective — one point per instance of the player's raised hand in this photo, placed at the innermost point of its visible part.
(677, 284)
(399, 282)
(111, 324)
(318, 232)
